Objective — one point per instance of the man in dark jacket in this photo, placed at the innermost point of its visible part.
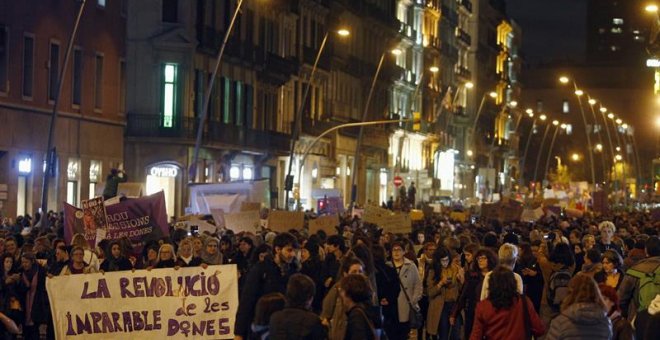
(629, 290)
(265, 277)
(61, 261)
(296, 321)
(112, 183)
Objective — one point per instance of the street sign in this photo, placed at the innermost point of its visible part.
(398, 181)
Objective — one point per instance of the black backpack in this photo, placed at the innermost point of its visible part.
(558, 288)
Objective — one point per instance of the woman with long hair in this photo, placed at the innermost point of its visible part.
(443, 286)
(505, 314)
(166, 256)
(621, 328)
(185, 254)
(115, 260)
(333, 312)
(78, 240)
(612, 272)
(485, 260)
(531, 275)
(583, 313)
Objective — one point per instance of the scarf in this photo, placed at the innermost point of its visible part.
(29, 298)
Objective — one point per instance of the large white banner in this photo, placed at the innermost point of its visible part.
(188, 303)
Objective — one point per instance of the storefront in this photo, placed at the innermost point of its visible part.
(165, 176)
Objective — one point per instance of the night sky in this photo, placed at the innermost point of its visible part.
(550, 29)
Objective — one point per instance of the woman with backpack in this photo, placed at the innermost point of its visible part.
(583, 313)
(363, 322)
(557, 269)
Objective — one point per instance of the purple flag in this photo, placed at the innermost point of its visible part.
(141, 219)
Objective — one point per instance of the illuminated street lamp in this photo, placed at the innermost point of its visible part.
(603, 109)
(592, 101)
(469, 85)
(651, 8)
(434, 69)
(575, 157)
(610, 115)
(538, 156)
(552, 145)
(599, 147)
(288, 186)
(618, 121)
(579, 93)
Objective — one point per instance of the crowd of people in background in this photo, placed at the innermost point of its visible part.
(557, 278)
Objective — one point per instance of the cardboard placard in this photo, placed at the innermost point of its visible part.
(242, 221)
(458, 216)
(250, 206)
(375, 215)
(130, 189)
(398, 223)
(282, 221)
(326, 223)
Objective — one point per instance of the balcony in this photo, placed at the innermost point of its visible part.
(462, 72)
(463, 36)
(151, 126)
(210, 40)
(465, 4)
(277, 70)
(407, 30)
(309, 56)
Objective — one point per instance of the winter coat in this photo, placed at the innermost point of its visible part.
(628, 291)
(581, 321)
(547, 269)
(409, 278)
(389, 289)
(505, 323)
(334, 311)
(265, 277)
(294, 324)
(359, 328)
(438, 296)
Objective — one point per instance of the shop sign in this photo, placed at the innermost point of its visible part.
(164, 171)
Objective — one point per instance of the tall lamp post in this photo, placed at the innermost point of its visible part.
(297, 120)
(356, 158)
(578, 94)
(599, 147)
(558, 126)
(50, 153)
(542, 117)
(538, 156)
(192, 171)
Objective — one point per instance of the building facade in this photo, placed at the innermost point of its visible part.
(88, 136)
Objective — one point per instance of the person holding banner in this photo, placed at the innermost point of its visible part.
(265, 277)
(115, 177)
(185, 256)
(77, 265)
(114, 259)
(211, 254)
(166, 256)
(31, 289)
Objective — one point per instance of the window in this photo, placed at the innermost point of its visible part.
(539, 106)
(98, 82)
(240, 115)
(72, 173)
(565, 108)
(4, 58)
(53, 69)
(100, 3)
(617, 21)
(170, 11)
(94, 176)
(28, 65)
(122, 86)
(169, 94)
(77, 76)
(199, 92)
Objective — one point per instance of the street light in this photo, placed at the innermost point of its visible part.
(538, 156)
(434, 69)
(592, 101)
(575, 157)
(552, 145)
(652, 8)
(579, 93)
(50, 152)
(356, 158)
(288, 182)
(469, 85)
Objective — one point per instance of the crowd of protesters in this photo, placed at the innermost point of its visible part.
(589, 277)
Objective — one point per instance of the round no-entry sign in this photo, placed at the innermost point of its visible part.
(398, 181)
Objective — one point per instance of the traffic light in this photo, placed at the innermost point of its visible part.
(417, 121)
